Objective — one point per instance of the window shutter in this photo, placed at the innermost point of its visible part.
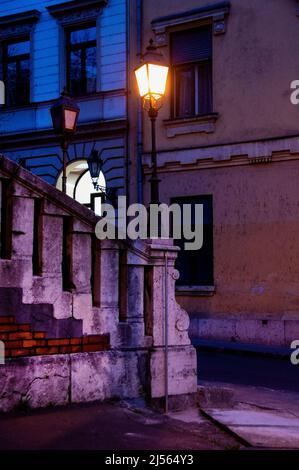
(191, 45)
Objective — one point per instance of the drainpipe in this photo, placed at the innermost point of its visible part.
(128, 70)
(166, 331)
(139, 110)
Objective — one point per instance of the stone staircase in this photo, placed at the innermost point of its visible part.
(83, 319)
(21, 341)
(39, 316)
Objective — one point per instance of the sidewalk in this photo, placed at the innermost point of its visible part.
(110, 426)
(260, 417)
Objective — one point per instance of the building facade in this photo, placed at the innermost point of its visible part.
(227, 135)
(47, 46)
(228, 138)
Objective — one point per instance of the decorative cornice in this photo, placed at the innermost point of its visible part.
(227, 155)
(217, 12)
(77, 10)
(19, 24)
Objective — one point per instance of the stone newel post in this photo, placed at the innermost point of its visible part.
(174, 371)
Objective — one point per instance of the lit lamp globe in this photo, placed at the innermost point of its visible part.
(65, 113)
(151, 79)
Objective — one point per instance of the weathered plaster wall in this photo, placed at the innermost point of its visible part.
(255, 214)
(42, 381)
(253, 66)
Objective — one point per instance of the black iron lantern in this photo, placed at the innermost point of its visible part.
(65, 113)
(95, 164)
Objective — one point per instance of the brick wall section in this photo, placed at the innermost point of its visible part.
(20, 341)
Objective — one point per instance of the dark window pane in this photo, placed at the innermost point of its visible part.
(196, 267)
(184, 91)
(83, 35)
(76, 84)
(23, 82)
(191, 56)
(82, 68)
(16, 72)
(11, 79)
(18, 48)
(205, 88)
(91, 69)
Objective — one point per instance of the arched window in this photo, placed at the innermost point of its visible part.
(79, 185)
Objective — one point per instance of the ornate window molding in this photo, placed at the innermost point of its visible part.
(216, 12)
(18, 25)
(69, 13)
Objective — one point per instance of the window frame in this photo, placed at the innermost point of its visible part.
(198, 199)
(195, 92)
(69, 48)
(5, 61)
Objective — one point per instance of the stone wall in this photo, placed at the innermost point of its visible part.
(57, 278)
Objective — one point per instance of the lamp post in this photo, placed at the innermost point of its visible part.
(65, 114)
(151, 78)
(95, 165)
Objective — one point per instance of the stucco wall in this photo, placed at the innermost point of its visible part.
(254, 63)
(256, 252)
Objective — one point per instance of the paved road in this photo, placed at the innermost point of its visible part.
(277, 374)
(107, 427)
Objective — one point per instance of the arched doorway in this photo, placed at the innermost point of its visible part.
(79, 185)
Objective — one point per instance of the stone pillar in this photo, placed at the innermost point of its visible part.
(22, 227)
(182, 363)
(108, 311)
(81, 244)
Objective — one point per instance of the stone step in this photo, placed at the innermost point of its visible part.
(40, 316)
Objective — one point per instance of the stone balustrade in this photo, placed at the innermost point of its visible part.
(67, 281)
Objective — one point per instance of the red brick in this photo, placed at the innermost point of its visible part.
(21, 335)
(76, 341)
(58, 342)
(7, 320)
(93, 339)
(76, 349)
(8, 328)
(39, 335)
(19, 352)
(65, 349)
(4, 336)
(24, 327)
(13, 344)
(31, 343)
(92, 347)
(46, 351)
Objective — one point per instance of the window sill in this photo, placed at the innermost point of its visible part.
(196, 124)
(195, 291)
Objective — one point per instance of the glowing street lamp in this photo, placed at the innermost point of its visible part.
(65, 113)
(151, 78)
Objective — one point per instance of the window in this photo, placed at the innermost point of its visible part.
(191, 56)
(16, 71)
(81, 60)
(196, 267)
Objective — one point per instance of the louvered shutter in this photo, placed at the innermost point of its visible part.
(192, 45)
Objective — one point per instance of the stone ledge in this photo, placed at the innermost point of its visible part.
(202, 291)
(197, 124)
